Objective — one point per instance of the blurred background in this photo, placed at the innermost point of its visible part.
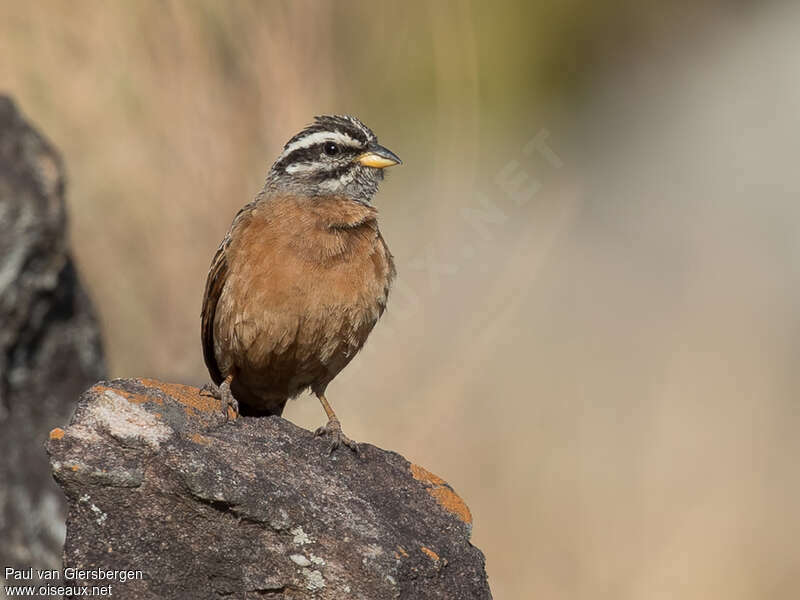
(594, 335)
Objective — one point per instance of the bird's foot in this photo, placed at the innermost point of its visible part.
(230, 406)
(210, 389)
(333, 430)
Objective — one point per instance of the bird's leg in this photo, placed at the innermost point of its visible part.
(333, 428)
(230, 407)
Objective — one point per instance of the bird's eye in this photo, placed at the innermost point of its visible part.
(331, 149)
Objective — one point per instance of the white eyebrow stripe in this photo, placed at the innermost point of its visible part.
(317, 138)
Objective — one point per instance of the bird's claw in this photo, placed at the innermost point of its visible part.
(209, 389)
(333, 430)
(230, 406)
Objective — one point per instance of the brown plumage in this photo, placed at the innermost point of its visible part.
(302, 276)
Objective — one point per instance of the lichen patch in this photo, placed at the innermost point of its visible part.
(443, 493)
(100, 389)
(300, 560)
(190, 397)
(300, 537)
(114, 413)
(430, 553)
(314, 580)
(452, 503)
(422, 474)
(200, 439)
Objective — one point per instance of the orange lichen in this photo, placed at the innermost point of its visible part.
(199, 439)
(73, 468)
(431, 554)
(57, 433)
(443, 493)
(452, 502)
(130, 397)
(402, 551)
(422, 474)
(189, 396)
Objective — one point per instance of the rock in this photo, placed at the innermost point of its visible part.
(161, 487)
(49, 341)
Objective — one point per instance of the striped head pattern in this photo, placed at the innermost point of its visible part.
(334, 156)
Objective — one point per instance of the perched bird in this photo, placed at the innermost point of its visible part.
(302, 275)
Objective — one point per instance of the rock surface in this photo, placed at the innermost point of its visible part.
(158, 482)
(49, 341)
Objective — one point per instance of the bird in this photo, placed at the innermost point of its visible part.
(302, 275)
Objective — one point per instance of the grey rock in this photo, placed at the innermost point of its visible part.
(253, 508)
(50, 347)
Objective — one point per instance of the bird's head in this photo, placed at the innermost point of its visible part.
(334, 156)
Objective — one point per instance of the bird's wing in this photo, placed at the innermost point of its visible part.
(217, 275)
